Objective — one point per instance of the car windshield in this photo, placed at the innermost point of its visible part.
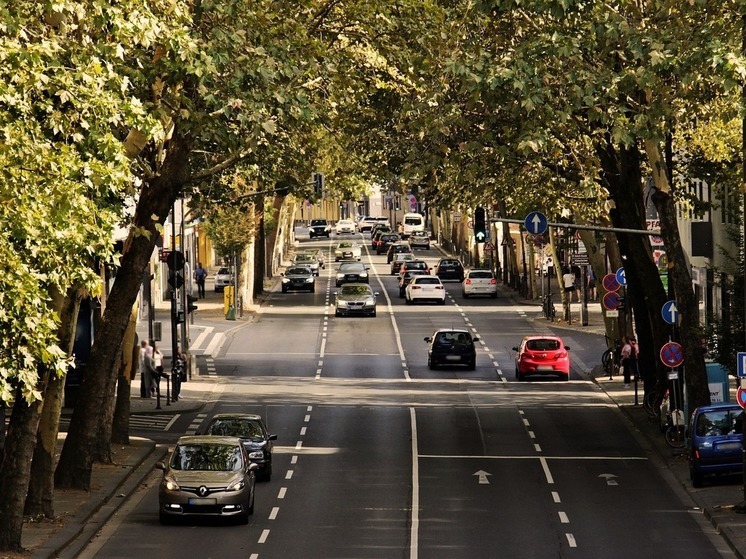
(543, 345)
(224, 272)
(236, 427)
(344, 245)
(719, 422)
(389, 238)
(207, 457)
(419, 234)
(298, 271)
(355, 290)
(417, 265)
(318, 222)
(412, 220)
(303, 258)
(449, 264)
(352, 267)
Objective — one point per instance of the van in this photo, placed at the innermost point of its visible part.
(715, 439)
(412, 222)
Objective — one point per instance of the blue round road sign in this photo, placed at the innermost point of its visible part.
(672, 354)
(621, 276)
(535, 223)
(670, 312)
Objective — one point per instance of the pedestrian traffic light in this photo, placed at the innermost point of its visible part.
(480, 225)
(191, 307)
(318, 185)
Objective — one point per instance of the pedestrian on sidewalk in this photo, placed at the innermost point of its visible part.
(200, 275)
(591, 284)
(158, 364)
(146, 378)
(626, 355)
(634, 362)
(568, 283)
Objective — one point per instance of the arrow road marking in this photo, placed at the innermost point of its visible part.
(609, 479)
(482, 477)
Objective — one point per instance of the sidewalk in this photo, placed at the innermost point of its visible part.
(79, 515)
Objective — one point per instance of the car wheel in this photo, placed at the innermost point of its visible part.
(266, 473)
(564, 378)
(472, 365)
(466, 296)
(337, 313)
(284, 290)
(165, 519)
(401, 293)
(494, 295)
(430, 364)
(407, 300)
(313, 289)
(373, 314)
(442, 302)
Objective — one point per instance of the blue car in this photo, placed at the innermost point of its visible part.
(715, 441)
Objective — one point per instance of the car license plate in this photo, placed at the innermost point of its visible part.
(729, 446)
(198, 501)
(453, 358)
(348, 255)
(545, 368)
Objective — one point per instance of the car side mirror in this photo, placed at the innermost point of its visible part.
(160, 466)
(428, 339)
(475, 339)
(272, 437)
(515, 349)
(567, 347)
(252, 467)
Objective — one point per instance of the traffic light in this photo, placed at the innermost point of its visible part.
(318, 185)
(191, 307)
(480, 225)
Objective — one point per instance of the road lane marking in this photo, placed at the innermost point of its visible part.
(415, 525)
(273, 513)
(264, 536)
(281, 493)
(556, 497)
(294, 459)
(289, 474)
(547, 473)
(563, 517)
(302, 431)
(571, 540)
(307, 419)
(527, 457)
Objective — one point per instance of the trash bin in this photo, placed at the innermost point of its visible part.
(717, 380)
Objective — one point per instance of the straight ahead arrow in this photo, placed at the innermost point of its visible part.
(482, 477)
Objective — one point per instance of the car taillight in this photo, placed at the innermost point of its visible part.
(696, 453)
(438, 287)
(468, 281)
(493, 281)
(416, 287)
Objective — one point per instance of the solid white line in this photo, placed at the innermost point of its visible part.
(173, 419)
(530, 457)
(571, 540)
(264, 536)
(415, 526)
(281, 493)
(563, 517)
(547, 473)
(273, 513)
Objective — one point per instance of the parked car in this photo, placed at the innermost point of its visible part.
(347, 251)
(385, 241)
(298, 278)
(399, 260)
(419, 239)
(425, 288)
(479, 282)
(355, 298)
(223, 277)
(452, 346)
(542, 355)
(345, 226)
(352, 272)
(715, 441)
(253, 432)
(308, 260)
(319, 228)
(207, 476)
(405, 278)
(450, 269)
(399, 247)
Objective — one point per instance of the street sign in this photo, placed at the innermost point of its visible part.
(610, 282)
(612, 314)
(621, 276)
(488, 246)
(741, 364)
(741, 397)
(456, 216)
(611, 300)
(536, 223)
(672, 354)
(670, 312)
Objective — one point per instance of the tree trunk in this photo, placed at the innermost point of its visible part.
(120, 433)
(686, 302)
(155, 202)
(14, 469)
(101, 451)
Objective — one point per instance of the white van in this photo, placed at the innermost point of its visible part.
(412, 222)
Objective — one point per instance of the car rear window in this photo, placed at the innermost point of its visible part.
(449, 264)
(427, 280)
(481, 275)
(543, 345)
(453, 338)
(719, 422)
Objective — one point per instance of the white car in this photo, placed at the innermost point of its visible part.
(419, 239)
(479, 282)
(345, 226)
(223, 278)
(425, 288)
(347, 251)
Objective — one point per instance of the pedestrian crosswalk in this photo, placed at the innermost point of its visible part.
(140, 422)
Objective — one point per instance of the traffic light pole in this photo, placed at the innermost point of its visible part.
(174, 318)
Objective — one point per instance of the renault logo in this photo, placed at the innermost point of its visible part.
(202, 491)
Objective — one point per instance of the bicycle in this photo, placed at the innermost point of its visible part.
(547, 308)
(609, 359)
(676, 432)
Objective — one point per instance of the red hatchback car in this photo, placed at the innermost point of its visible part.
(542, 355)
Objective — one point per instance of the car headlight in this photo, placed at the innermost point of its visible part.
(170, 484)
(285, 280)
(341, 304)
(340, 276)
(309, 280)
(236, 485)
(370, 303)
(364, 275)
(256, 455)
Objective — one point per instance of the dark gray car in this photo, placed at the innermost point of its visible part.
(298, 278)
(355, 298)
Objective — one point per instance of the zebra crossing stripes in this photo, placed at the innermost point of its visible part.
(140, 422)
(210, 370)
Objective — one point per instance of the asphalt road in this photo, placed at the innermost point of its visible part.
(379, 457)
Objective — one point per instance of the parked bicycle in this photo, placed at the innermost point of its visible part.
(610, 359)
(676, 432)
(547, 307)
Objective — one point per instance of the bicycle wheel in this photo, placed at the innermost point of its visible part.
(649, 404)
(675, 436)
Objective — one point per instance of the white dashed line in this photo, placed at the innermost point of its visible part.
(273, 513)
(563, 518)
(264, 536)
(571, 540)
(281, 493)
(289, 474)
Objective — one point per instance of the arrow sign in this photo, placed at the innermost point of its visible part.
(535, 223)
(672, 354)
(482, 475)
(609, 479)
(741, 364)
(621, 276)
(670, 312)
(480, 235)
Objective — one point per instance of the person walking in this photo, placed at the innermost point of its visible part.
(158, 364)
(634, 362)
(591, 284)
(626, 355)
(568, 283)
(146, 378)
(200, 275)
